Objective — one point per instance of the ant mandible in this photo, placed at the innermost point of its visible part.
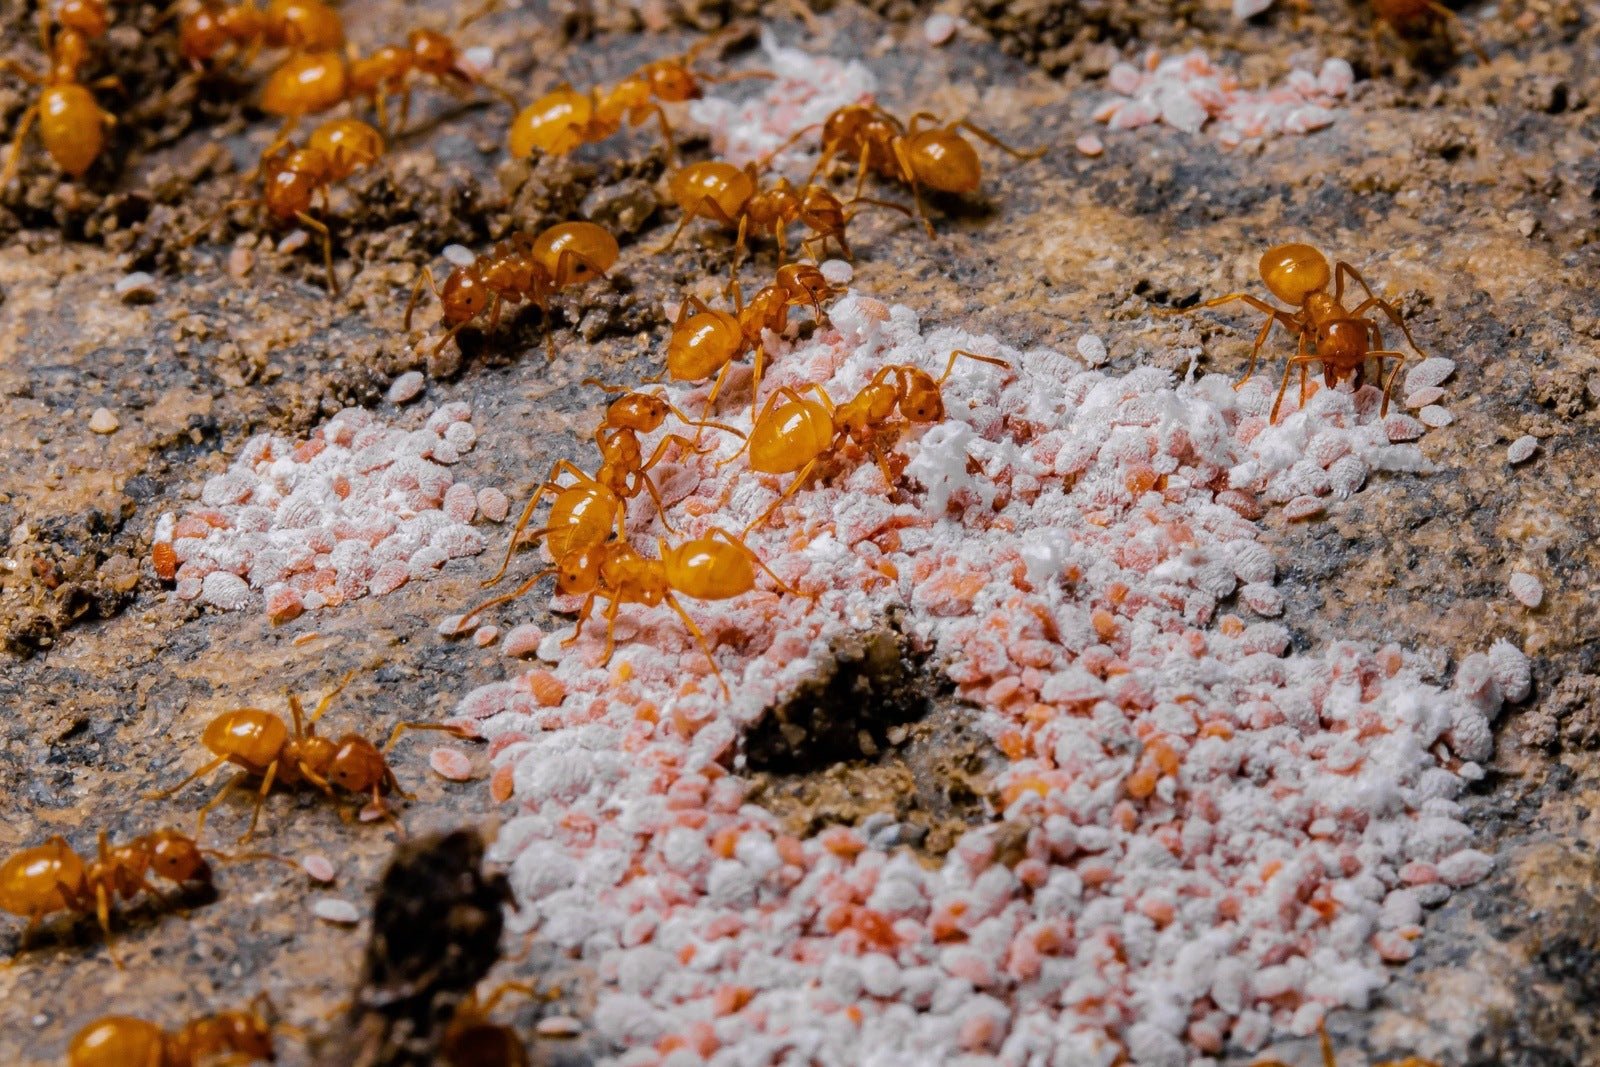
(227, 31)
(524, 268)
(293, 177)
(259, 742)
(565, 118)
(235, 1036)
(938, 157)
(796, 434)
(71, 122)
(1411, 18)
(51, 877)
(1341, 340)
(730, 195)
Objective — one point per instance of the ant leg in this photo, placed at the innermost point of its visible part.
(504, 598)
(1399, 362)
(14, 160)
(210, 805)
(948, 367)
(202, 772)
(522, 524)
(1015, 153)
(261, 799)
(861, 170)
(1394, 316)
(1283, 387)
(451, 333)
(583, 616)
(799, 480)
(565, 275)
(666, 132)
(495, 304)
(496, 995)
(700, 638)
(454, 731)
(327, 701)
(687, 421)
(102, 911)
(327, 247)
(906, 168)
(1254, 301)
(611, 629)
(1255, 352)
(800, 8)
(416, 293)
(1453, 19)
(759, 562)
(766, 161)
(707, 208)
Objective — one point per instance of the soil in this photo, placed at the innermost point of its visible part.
(1469, 193)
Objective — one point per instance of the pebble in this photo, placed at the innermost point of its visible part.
(1090, 145)
(558, 1026)
(450, 763)
(1522, 449)
(939, 28)
(317, 867)
(407, 387)
(459, 255)
(294, 242)
(837, 271)
(136, 288)
(1526, 588)
(240, 261)
(1243, 9)
(479, 59)
(335, 910)
(103, 421)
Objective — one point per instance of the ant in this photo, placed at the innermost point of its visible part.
(291, 178)
(796, 434)
(1412, 18)
(1329, 1060)
(260, 743)
(432, 54)
(52, 877)
(523, 268)
(939, 157)
(307, 83)
(565, 118)
(237, 1036)
(218, 30)
(724, 193)
(623, 468)
(471, 1040)
(718, 566)
(72, 124)
(1341, 340)
(708, 341)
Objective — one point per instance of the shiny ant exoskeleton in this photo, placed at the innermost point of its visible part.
(937, 157)
(219, 32)
(1341, 339)
(523, 268)
(306, 83)
(72, 123)
(51, 877)
(707, 342)
(262, 745)
(732, 196)
(292, 178)
(795, 432)
(237, 1036)
(565, 118)
(393, 70)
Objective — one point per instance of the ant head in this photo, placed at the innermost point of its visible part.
(641, 412)
(579, 570)
(88, 17)
(464, 295)
(357, 765)
(1343, 342)
(672, 82)
(347, 145)
(920, 398)
(434, 52)
(847, 123)
(1294, 272)
(176, 857)
(241, 23)
(804, 281)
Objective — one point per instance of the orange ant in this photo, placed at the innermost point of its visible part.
(218, 30)
(72, 124)
(718, 566)
(432, 54)
(564, 118)
(260, 743)
(939, 157)
(1329, 1060)
(797, 433)
(708, 341)
(724, 193)
(1341, 340)
(235, 1037)
(1411, 18)
(292, 177)
(307, 83)
(52, 877)
(523, 268)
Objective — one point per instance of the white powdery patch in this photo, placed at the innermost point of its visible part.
(1222, 840)
(360, 507)
(807, 89)
(1188, 91)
